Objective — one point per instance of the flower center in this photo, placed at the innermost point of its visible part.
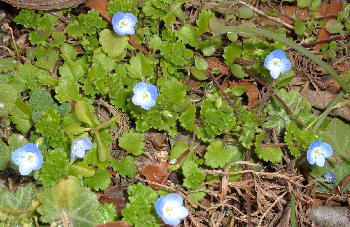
(168, 209)
(30, 157)
(276, 62)
(318, 151)
(146, 95)
(123, 23)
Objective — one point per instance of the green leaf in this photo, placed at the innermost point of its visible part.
(46, 58)
(299, 27)
(7, 65)
(200, 63)
(69, 198)
(177, 150)
(21, 116)
(298, 139)
(334, 26)
(54, 167)
(83, 113)
(216, 155)
(106, 213)
(244, 12)
(141, 66)
(273, 154)
(188, 35)
(188, 117)
(199, 74)
(75, 129)
(83, 169)
(125, 167)
(67, 90)
(18, 200)
(140, 210)
(115, 6)
(40, 100)
(238, 71)
(303, 3)
(335, 130)
(230, 52)
(8, 97)
(102, 147)
(194, 177)
(280, 118)
(132, 142)
(112, 44)
(203, 21)
(100, 181)
(5, 154)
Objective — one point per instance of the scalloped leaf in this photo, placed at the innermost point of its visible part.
(67, 197)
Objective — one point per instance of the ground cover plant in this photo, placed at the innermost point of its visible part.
(175, 113)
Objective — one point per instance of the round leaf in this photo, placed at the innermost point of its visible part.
(244, 13)
(334, 26)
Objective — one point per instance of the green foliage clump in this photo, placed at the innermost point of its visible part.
(216, 155)
(125, 167)
(132, 142)
(139, 211)
(106, 213)
(86, 24)
(68, 199)
(100, 181)
(8, 97)
(297, 139)
(194, 176)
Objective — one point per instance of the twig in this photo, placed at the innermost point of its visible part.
(13, 39)
(272, 205)
(337, 37)
(291, 27)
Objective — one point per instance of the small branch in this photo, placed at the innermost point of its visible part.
(272, 205)
(291, 27)
(227, 99)
(337, 37)
(138, 46)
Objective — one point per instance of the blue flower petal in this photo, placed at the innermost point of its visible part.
(28, 158)
(170, 209)
(124, 23)
(330, 177)
(277, 62)
(317, 152)
(79, 146)
(145, 95)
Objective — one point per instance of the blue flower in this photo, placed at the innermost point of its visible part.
(318, 152)
(124, 23)
(277, 62)
(28, 158)
(79, 146)
(170, 209)
(330, 177)
(145, 95)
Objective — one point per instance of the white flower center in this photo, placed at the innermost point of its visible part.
(276, 62)
(30, 157)
(168, 209)
(146, 95)
(2, 105)
(123, 23)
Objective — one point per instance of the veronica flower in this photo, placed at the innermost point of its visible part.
(277, 62)
(124, 23)
(318, 152)
(79, 146)
(145, 95)
(170, 209)
(330, 177)
(28, 158)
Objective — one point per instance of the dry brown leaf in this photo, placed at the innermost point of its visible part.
(253, 93)
(116, 195)
(156, 172)
(101, 7)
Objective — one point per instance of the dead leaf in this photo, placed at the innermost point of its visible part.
(156, 172)
(334, 7)
(101, 7)
(253, 93)
(116, 195)
(216, 63)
